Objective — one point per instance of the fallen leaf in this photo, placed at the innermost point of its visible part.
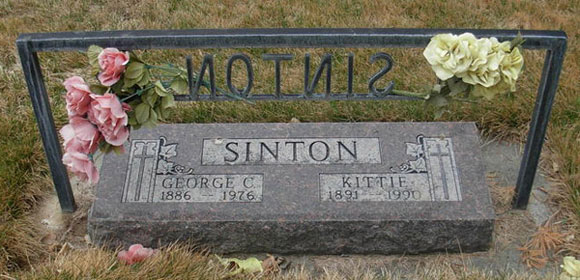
(270, 265)
(236, 266)
(274, 264)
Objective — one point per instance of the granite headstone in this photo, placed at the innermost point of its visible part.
(329, 188)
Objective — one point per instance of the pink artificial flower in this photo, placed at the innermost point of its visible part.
(77, 96)
(81, 165)
(136, 253)
(112, 63)
(107, 112)
(80, 135)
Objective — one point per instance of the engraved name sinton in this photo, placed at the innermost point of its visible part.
(291, 151)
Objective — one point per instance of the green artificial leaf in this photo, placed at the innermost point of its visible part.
(170, 70)
(150, 97)
(134, 57)
(456, 86)
(93, 55)
(487, 93)
(132, 119)
(127, 83)
(145, 79)
(164, 112)
(517, 41)
(152, 116)
(438, 101)
(161, 113)
(134, 70)
(168, 101)
(118, 86)
(117, 149)
(105, 147)
(152, 121)
(142, 113)
(98, 89)
(180, 86)
(237, 266)
(133, 103)
(126, 92)
(161, 91)
(133, 74)
(183, 74)
(437, 88)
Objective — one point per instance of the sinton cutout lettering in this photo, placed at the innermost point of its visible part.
(207, 65)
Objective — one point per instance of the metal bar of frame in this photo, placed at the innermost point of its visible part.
(41, 105)
(30, 44)
(539, 123)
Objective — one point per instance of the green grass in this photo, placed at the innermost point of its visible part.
(23, 172)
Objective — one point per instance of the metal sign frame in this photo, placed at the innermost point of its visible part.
(29, 45)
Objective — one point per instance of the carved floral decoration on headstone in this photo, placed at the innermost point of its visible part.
(164, 165)
(417, 164)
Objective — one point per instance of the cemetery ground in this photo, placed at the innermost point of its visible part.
(28, 249)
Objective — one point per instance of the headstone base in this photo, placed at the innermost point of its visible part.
(313, 237)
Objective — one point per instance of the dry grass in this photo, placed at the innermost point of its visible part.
(23, 172)
(563, 165)
(183, 262)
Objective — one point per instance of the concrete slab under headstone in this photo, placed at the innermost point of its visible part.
(502, 161)
(328, 188)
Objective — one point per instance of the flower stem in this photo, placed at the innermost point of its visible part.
(409, 93)
(170, 69)
(138, 92)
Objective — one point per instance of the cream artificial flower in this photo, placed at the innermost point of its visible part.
(571, 268)
(511, 66)
(483, 47)
(496, 46)
(485, 71)
(451, 55)
(489, 66)
(500, 66)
